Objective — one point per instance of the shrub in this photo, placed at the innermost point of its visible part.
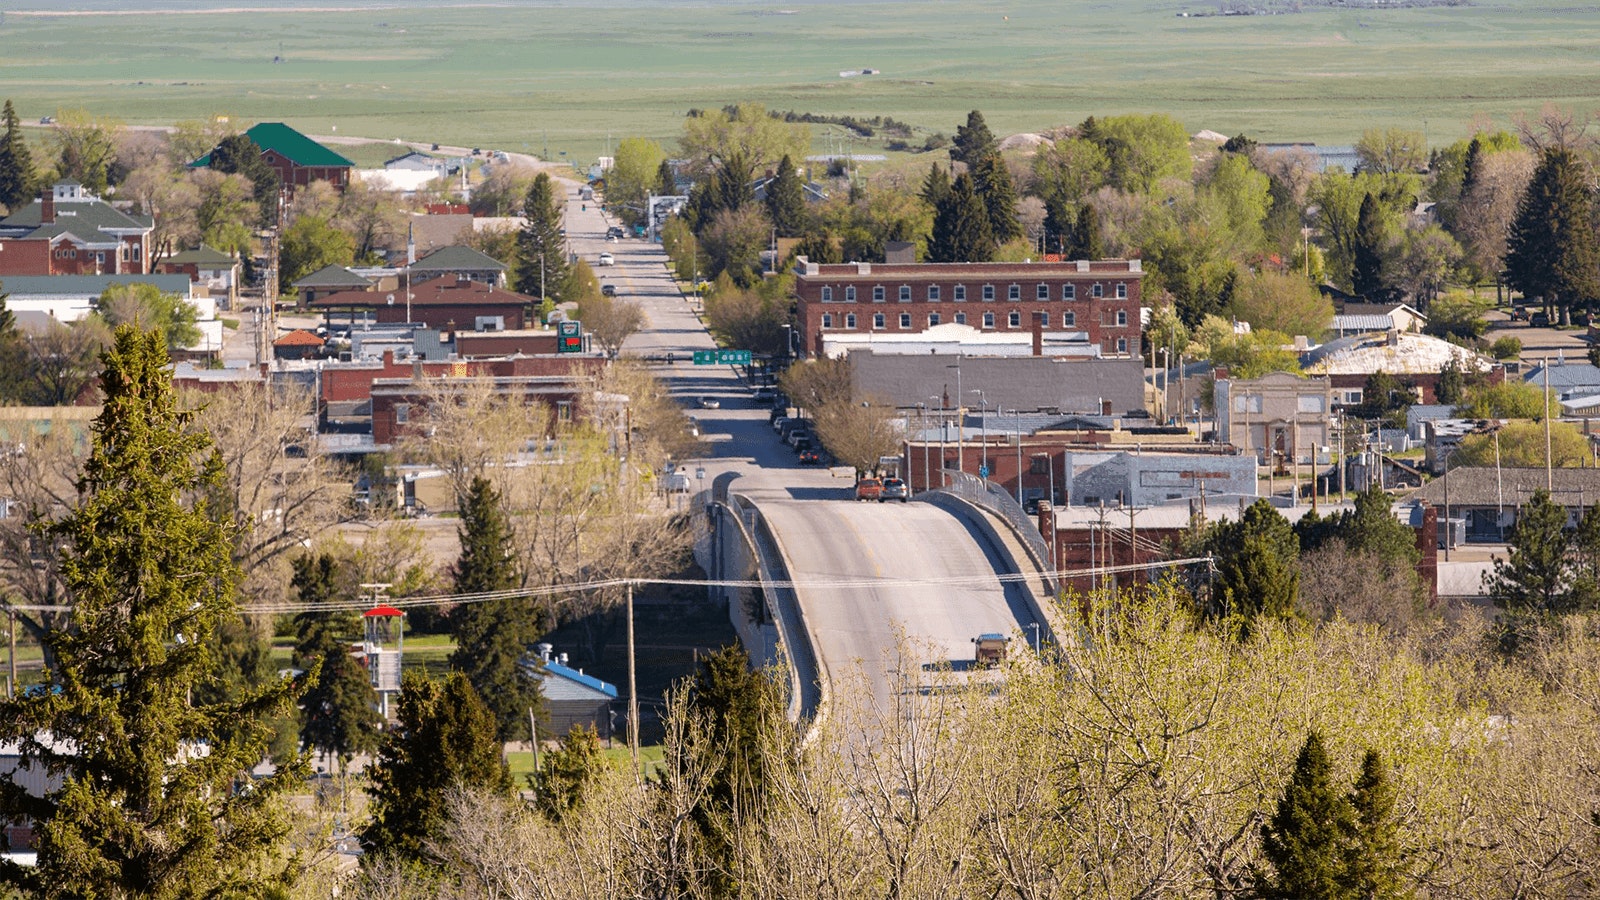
(1507, 347)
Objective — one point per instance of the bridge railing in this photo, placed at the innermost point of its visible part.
(990, 497)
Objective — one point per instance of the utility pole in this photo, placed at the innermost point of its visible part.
(633, 690)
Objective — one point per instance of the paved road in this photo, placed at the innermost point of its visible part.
(931, 581)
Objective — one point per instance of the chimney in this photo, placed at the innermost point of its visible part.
(1038, 334)
(1047, 521)
(388, 358)
(47, 207)
(1393, 337)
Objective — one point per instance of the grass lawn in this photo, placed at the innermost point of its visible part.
(649, 756)
(569, 80)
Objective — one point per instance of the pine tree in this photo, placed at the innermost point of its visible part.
(1472, 167)
(1087, 242)
(666, 180)
(339, 714)
(443, 738)
(961, 227)
(786, 200)
(973, 141)
(1372, 866)
(1374, 528)
(1257, 565)
(1533, 576)
(149, 572)
(236, 154)
(1308, 836)
(567, 776)
(492, 636)
(992, 180)
(935, 186)
(1553, 251)
(1366, 275)
(16, 162)
(541, 249)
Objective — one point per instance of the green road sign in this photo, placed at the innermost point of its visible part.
(705, 357)
(569, 337)
(722, 357)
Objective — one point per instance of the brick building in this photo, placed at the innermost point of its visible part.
(69, 231)
(297, 159)
(1097, 301)
(447, 304)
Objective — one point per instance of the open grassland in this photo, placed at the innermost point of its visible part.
(530, 76)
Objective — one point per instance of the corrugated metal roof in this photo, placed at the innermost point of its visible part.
(1362, 323)
(575, 677)
(80, 285)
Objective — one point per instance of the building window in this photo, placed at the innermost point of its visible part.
(988, 292)
(850, 294)
(905, 293)
(850, 321)
(1069, 320)
(1247, 403)
(137, 250)
(1099, 290)
(1043, 292)
(1069, 292)
(1312, 404)
(563, 410)
(1122, 318)
(827, 320)
(988, 320)
(1122, 345)
(1014, 292)
(1122, 291)
(1039, 465)
(877, 293)
(827, 294)
(1352, 397)
(905, 320)
(961, 318)
(961, 292)
(933, 293)
(933, 319)
(402, 413)
(877, 320)
(1014, 319)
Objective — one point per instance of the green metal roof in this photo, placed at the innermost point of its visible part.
(457, 259)
(333, 276)
(288, 143)
(202, 256)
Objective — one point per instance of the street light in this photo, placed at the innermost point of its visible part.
(1035, 627)
(940, 400)
(983, 427)
(961, 443)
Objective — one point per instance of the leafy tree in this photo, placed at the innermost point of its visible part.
(1248, 355)
(443, 738)
(748, 318)
(786, 200)
(16, 162)
(148, 570)
(339, 709)
(1509, 347)
(85, 148)
(1372, 527)
(1240, 144)
(1387, 151)
(59, 362)
(973, 141)
(1534, 575)
(1384, 397)
(1507, 400)
(567, 777)
(541, 260)
(493, 635)
(992, 180)
(145, 306)
(1282, 302)
(817, 382)
(1521, 444)
(961, 230)
(1069, 170)
(236, 154)
(739, 141)
(1367, 274)
(1372, 869)
(634, 173)
(733, 242)
(1308, 836)
(1553, 251)
(1452, 385)
(1256, 558)
(1142, 150)
(309, 244)
(1339, 198)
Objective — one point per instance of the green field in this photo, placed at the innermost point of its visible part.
(531, 76)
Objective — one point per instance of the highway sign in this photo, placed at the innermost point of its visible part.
(722, 357)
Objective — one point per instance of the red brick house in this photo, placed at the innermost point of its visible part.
(68, 231)
(1098, 300)
(297, 344)
(447, 304)
(297, 159)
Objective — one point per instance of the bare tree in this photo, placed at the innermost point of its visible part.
(858, 434)
(1490, 206)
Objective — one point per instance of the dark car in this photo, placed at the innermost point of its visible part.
(608, 290)
(764, 396)
(810, 457)
(1538, 320)
(894, 489)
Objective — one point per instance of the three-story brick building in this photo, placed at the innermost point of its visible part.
(1097, 301)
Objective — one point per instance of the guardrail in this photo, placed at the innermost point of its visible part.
(807, 695)
(988, 496)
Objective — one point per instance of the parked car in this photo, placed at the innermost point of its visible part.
(989, 649)
(614, 231)
(606, 259)
(710, 403)
(1539, 320)
(777, 423)
(764, 396)
(802, 443)
(869, 489)
(676, 483)
(810, 457)
(894, 489)
(608, 290)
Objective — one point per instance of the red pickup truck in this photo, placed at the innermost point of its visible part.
(869, 489)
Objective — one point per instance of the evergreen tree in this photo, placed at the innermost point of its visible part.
(339, 714)
(541, 258)
(1452, 386)
(935, 185)
(731, 188)
(1533, 576)
(236, 154)
(443, 738)
(567, 776)
(666, 180)
(1585, 558)
(1059, 220)
(1372, 527)
(992, 180)
(961, 226)
(973, 141)
(492, 636)
(1372, 867)
(786, 200)
(1472, 167)
(150, 575)
(1367, 270)
(1553, 251)
(1308, 836)
(16, 163)
(1257, 563)
(1087, 242)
